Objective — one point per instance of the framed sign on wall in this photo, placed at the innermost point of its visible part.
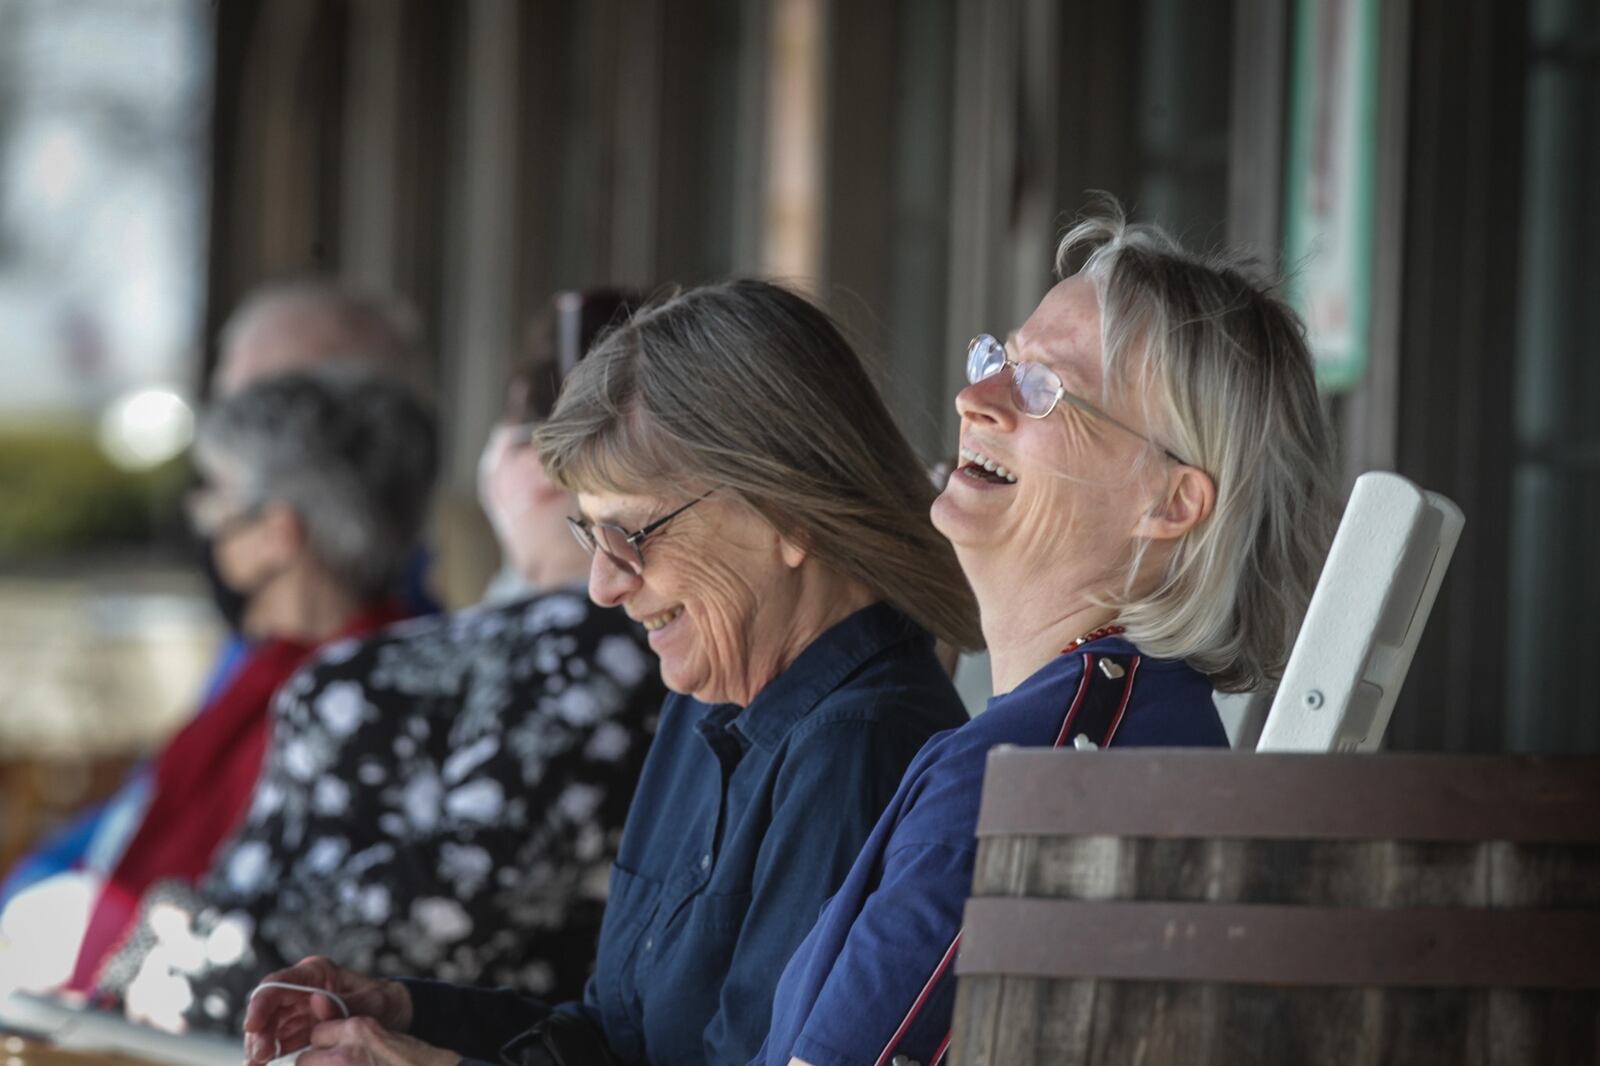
(1331, 168)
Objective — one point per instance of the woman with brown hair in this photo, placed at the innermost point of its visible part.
(746, 496)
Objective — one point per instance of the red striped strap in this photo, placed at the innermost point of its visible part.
(922, 997)
(1096, 711)
(1101, 701)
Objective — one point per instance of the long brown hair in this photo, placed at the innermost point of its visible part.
(750, 388)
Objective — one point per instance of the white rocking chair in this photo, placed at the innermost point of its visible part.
(1366, 616)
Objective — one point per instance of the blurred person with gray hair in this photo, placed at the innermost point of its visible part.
(315, 486)
(343, 462)
(308, 323)
(280, 327)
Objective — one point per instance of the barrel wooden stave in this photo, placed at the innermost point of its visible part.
(1154, 1022)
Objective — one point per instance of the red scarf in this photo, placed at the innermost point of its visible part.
(202, 783)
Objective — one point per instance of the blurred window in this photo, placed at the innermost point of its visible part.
(104, 628)
(102, 200)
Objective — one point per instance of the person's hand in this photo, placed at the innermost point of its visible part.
(281, 1020)
(363, 1042)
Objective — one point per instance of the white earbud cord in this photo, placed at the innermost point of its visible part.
(277, 1048)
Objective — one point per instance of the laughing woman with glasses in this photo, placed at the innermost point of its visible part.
(1129, 554)
(745, 495)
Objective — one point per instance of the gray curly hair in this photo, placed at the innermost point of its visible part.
(1236, 395)
(353, 452)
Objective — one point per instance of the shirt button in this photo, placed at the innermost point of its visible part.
(904, 1060)
(649, 943)
(705, 861)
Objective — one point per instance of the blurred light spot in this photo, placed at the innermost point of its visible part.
(45, 923)
(168, 922)
(144, 429)
(227, 943)
(157, 996)
(57, 165)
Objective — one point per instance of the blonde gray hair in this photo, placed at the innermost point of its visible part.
(1234, 392)
(748, 388)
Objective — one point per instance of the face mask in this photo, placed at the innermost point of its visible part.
(231, 604)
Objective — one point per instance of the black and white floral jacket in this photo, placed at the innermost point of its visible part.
(441, 800)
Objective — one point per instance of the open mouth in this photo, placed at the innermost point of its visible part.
(660, 621)
(980, 467)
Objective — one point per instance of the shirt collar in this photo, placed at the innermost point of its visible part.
(1063, 666)
(817, 671)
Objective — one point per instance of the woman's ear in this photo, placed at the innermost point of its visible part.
(794, 553)
(1189, 499)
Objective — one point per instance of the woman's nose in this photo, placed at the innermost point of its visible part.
(988, 401)
(610, 584)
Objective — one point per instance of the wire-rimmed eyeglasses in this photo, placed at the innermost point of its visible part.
(625, 550)
(1037, 390)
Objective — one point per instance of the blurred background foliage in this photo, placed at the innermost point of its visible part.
(62, 494)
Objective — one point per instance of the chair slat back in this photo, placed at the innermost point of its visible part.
(1366, 616)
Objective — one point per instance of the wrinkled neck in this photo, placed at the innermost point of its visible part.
(1026, 623)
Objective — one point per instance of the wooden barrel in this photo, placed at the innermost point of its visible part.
(1165, 907)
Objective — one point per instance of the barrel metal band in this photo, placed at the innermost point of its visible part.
(1280, 945)
(1252, 795)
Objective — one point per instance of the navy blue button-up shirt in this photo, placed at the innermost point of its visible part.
(745, 821)
(874, 980)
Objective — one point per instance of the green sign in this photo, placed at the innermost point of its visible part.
(1328, 205)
